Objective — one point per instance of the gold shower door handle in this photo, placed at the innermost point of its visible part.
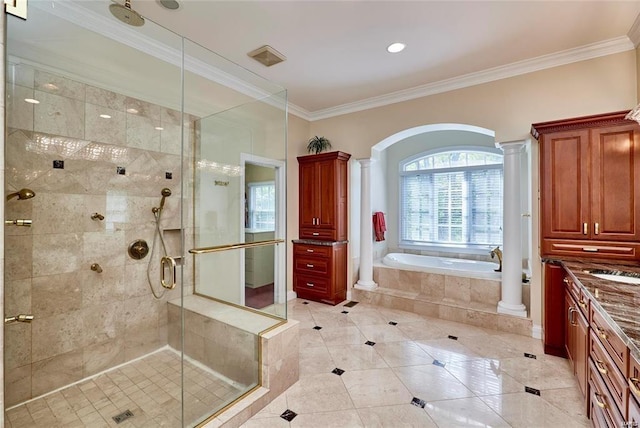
(171, 264)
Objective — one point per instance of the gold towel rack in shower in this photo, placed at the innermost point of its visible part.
(240, 245)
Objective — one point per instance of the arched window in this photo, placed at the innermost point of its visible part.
(451, 197)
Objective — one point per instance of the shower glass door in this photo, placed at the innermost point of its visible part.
(102, 120)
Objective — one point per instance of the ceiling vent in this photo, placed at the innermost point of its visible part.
(266, 55)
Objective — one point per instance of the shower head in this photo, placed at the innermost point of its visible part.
(165, 192)
(22, 194)
(125, 14)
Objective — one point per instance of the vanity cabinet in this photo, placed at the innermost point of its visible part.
(323, 196)
(590, 187)
(576, 334)
(633, 381)
(609, 364)
(259, 262)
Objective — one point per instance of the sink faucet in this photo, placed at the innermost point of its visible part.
(497, 252)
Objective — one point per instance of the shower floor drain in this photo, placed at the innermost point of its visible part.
(123, 416)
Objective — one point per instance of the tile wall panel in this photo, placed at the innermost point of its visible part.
(85, 322)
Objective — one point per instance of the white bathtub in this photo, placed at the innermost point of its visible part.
(443, 265)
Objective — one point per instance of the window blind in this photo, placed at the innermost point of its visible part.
(453, 207)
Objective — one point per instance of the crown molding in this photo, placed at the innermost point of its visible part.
(634, 32)
(300, 112)
(594, 50)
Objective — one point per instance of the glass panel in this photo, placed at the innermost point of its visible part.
(97, 146)
(239, 141)
(102, 122)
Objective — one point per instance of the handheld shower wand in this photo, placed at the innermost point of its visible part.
(165, 192)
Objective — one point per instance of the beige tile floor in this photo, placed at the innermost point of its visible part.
(479, 382)
(148, 387)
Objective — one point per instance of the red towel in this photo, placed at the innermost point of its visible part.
(379, 226)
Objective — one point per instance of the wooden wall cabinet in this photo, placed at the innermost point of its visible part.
(323, 196)
(590, 187)
(320, 255)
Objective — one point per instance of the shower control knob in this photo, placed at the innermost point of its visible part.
(138, 249)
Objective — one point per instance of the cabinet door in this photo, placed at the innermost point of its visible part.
(565, 184)
(615, 154)
(326, 185)
(570, 331)
(581, 351)
(555, 313)
(308, 195)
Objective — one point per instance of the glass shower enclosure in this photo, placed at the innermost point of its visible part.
(143, 236)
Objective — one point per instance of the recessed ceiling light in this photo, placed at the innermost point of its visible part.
(132, 110)
(396, 47)
(32, 101)
(105, 116)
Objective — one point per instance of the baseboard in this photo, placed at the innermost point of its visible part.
(536, 331)
(291, 295)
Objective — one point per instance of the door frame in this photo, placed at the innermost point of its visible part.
(280, 251)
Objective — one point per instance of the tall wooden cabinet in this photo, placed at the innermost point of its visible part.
(590, 187)
(320, 255)
(323, 196)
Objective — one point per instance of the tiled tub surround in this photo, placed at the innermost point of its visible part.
(615, 301)
(469, 300)
(85, 322)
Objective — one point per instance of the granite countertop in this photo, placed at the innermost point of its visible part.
(618, 302)
(317, 242)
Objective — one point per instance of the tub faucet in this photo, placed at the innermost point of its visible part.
(497, 252)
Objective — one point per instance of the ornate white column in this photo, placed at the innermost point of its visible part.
(511, 302)
(365, 280)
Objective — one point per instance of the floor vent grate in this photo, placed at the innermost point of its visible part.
(123, 416)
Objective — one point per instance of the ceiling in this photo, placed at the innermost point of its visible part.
(336, 50)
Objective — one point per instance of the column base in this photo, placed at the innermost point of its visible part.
(511, 309)
(365, 285)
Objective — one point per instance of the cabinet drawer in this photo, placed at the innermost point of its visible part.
(312, 250)
(634, 379)
(314, 233)
(590, 249)
(611, 376)
(309, 283)
(582, 301)
(602, 407)
(614, 346)
(312, 265)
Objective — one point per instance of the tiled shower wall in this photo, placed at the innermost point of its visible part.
(85, 322)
